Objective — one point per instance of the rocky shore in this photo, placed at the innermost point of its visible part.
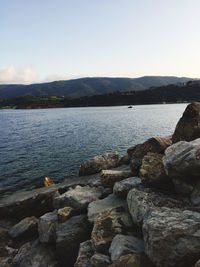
(142, 210)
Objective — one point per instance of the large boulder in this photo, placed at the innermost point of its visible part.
(123, 244)
(172, 237)
(78, 198)
(155, 145)
(85, 253)
(47, 227)
(182, 163)
(25, 229)
(35, 202)
(141, 202)
(111, 222)
(68, 237)
(96, 207)
(182, 160)
(98, 163)
(132, 260)
(34, 254)
(110, 177)
(152, 171)
(122, 188)
(188, 127)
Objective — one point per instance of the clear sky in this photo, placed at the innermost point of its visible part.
(44, 40)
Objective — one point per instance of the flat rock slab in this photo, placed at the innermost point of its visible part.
(26, 228)
(124, 244)
(96, 207)
(35, 202)
(78, 198)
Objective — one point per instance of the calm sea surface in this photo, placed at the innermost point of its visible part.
(53, 142)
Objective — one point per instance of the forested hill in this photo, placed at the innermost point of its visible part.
(87, 86)
(189, 92)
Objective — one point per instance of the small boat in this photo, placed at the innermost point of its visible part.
(130, 107)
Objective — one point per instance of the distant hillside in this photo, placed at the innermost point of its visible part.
(87, 86)
(188, 92)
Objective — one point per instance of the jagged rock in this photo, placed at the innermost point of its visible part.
(110, 177)
(96, 207)
(25, 229)
(182, 160)
(47, 227)
(98, 163)
(132, 260)
(34, 254)
(155, 145)
(84, 254)
(125, 160)
(152, 171)
(78, 198)
(111, 222)
(35, 202)
(188, 128)
(100, 260)
(141, 201)
(172, 237)
(65, 213)
(68, 237)
(122, 245)
(122, 188)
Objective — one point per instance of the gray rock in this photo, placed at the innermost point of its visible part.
(141, 201)
(122, 188)
(100, 260)
(155, 145)
(182, 160)
(78, 198)
(68, 237)
(84, 254)
(122, 245)
(47, 227)
(110, 177)
(37, 201)
(25, 229)
(98, 163)
(34, 254)
(172, 237)
(110, 222)
(152, 171)
(96, 207)
(188, 129)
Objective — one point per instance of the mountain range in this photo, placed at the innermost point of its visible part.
(88, 86)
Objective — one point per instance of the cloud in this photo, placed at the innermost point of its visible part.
(12, 75)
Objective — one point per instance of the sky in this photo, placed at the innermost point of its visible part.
(46, 40)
